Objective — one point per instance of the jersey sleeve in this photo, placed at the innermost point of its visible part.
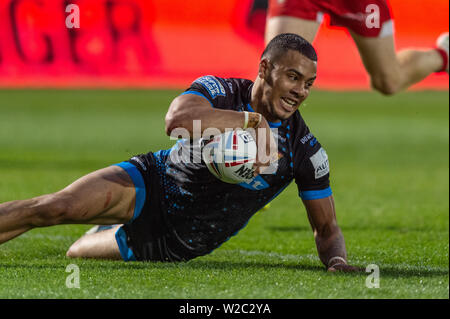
(213, 89)
(310, 162)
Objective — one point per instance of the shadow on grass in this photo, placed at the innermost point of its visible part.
(399, 272)
(199, 264)
(289, 228)
(399, 229)
(228, 265)
(393, 272)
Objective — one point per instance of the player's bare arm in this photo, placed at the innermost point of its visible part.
(187, 108)
(327, 234)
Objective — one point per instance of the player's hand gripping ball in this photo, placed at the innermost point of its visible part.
(230, 156)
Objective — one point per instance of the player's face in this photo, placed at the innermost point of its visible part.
(287, 84)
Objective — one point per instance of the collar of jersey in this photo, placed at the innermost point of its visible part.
(271, 124)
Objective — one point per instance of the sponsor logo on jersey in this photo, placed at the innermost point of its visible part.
(320, 163)
(255, 184)
(141, 164)
(212, 85)
(306, 138)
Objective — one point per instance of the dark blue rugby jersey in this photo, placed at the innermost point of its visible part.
(205, 211)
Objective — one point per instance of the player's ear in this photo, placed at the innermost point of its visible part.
(264, 68)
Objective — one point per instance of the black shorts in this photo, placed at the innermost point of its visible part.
(149, 236)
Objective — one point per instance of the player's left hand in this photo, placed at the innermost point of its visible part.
(344, 268)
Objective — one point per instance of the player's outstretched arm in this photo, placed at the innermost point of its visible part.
(185, 109)
(328, 236)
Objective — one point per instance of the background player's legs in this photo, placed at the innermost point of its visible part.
(390, 71)
(106, 196)
(101, 244)
(283, 24)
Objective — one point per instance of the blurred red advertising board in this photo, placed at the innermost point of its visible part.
(167, 44)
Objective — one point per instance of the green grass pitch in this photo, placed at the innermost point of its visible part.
(390, 178)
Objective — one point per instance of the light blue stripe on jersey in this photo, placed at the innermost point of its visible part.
(125, 251)
(323, 193)
(199, 94)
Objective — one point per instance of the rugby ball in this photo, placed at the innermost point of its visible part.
(230, 156)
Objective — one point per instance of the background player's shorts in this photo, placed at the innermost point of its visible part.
(148, 236)
(368, 18)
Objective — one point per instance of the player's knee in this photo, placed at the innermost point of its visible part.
(74, 251)
(53, 209)
(385, 84)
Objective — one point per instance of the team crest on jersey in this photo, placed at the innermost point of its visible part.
(320, 163)
(212, 85)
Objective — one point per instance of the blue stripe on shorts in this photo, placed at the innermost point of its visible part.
(125, 251)
(139, 185)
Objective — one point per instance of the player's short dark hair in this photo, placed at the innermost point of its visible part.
(289, 41)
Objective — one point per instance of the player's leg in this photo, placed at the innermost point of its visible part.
(284, 24)
(293, 16)
(109, 240)
(106, 196)
(100, 244)
(391, 71)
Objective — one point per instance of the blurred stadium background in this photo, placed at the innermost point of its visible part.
(76, 100)
(167, 44)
